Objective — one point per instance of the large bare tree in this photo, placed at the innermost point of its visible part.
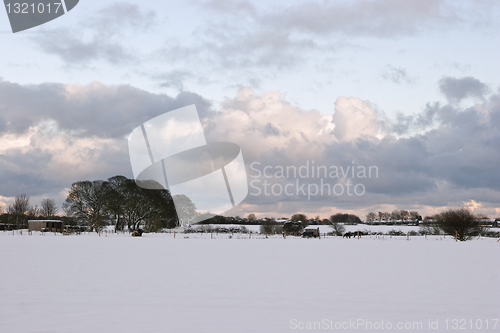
(135, 205)
(86, 200)
(370, 217)
(19, 209)
(48, 207)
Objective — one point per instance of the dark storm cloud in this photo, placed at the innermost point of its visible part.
(461, 149)
(20, 173)
(456, 89)
(92, 110)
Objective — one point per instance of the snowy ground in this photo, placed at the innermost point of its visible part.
(117, 283)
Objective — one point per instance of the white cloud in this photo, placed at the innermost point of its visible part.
(354, 119)
(268, 122)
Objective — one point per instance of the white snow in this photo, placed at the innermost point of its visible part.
(155, 283)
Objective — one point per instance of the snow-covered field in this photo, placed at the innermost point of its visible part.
(155, 283)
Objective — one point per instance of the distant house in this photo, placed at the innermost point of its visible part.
(46, 225)
(311, 232)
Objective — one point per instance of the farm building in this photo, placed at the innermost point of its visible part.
(46, 225)
(311, 232)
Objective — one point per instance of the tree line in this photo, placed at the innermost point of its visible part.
(20, 211)
(121, 202)
(396, 216)
(94, 202)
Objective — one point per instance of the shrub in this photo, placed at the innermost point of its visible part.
(338, 228)
(460, 222)
(394, 232)
(292, 227)
(489, 233)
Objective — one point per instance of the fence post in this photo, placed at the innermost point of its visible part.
(407, 235)
(174, 233)
(456, 236)
(211, 235)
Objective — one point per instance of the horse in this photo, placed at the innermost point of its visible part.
(138, 233)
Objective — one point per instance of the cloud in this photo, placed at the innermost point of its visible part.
(397, 75)
(87, 110)
(173, 79)
(381, 18)
(268, 124)
(457, 89)
(435, 165)
(229, 6)
(99, 36)
(354, 118)
(50, 162)
(241, 37)
(385, 18)
(57, 134)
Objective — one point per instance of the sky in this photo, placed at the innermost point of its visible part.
(409, 88)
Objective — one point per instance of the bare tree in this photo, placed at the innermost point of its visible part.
(370, 217)
(300, 218)
(34, 212)
(415, 216)
(186, 210)
(460, 222)
(403, 215)
(338, 228)
(386, 216)
(48, 207)
(267, 226)
(66, 207)
(395, 215)
(86, 200)
(19, 209)
(116, 199)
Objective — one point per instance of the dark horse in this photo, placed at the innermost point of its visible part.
(348, 235)
(138, 233)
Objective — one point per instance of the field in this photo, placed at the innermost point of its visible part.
(155, 283)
